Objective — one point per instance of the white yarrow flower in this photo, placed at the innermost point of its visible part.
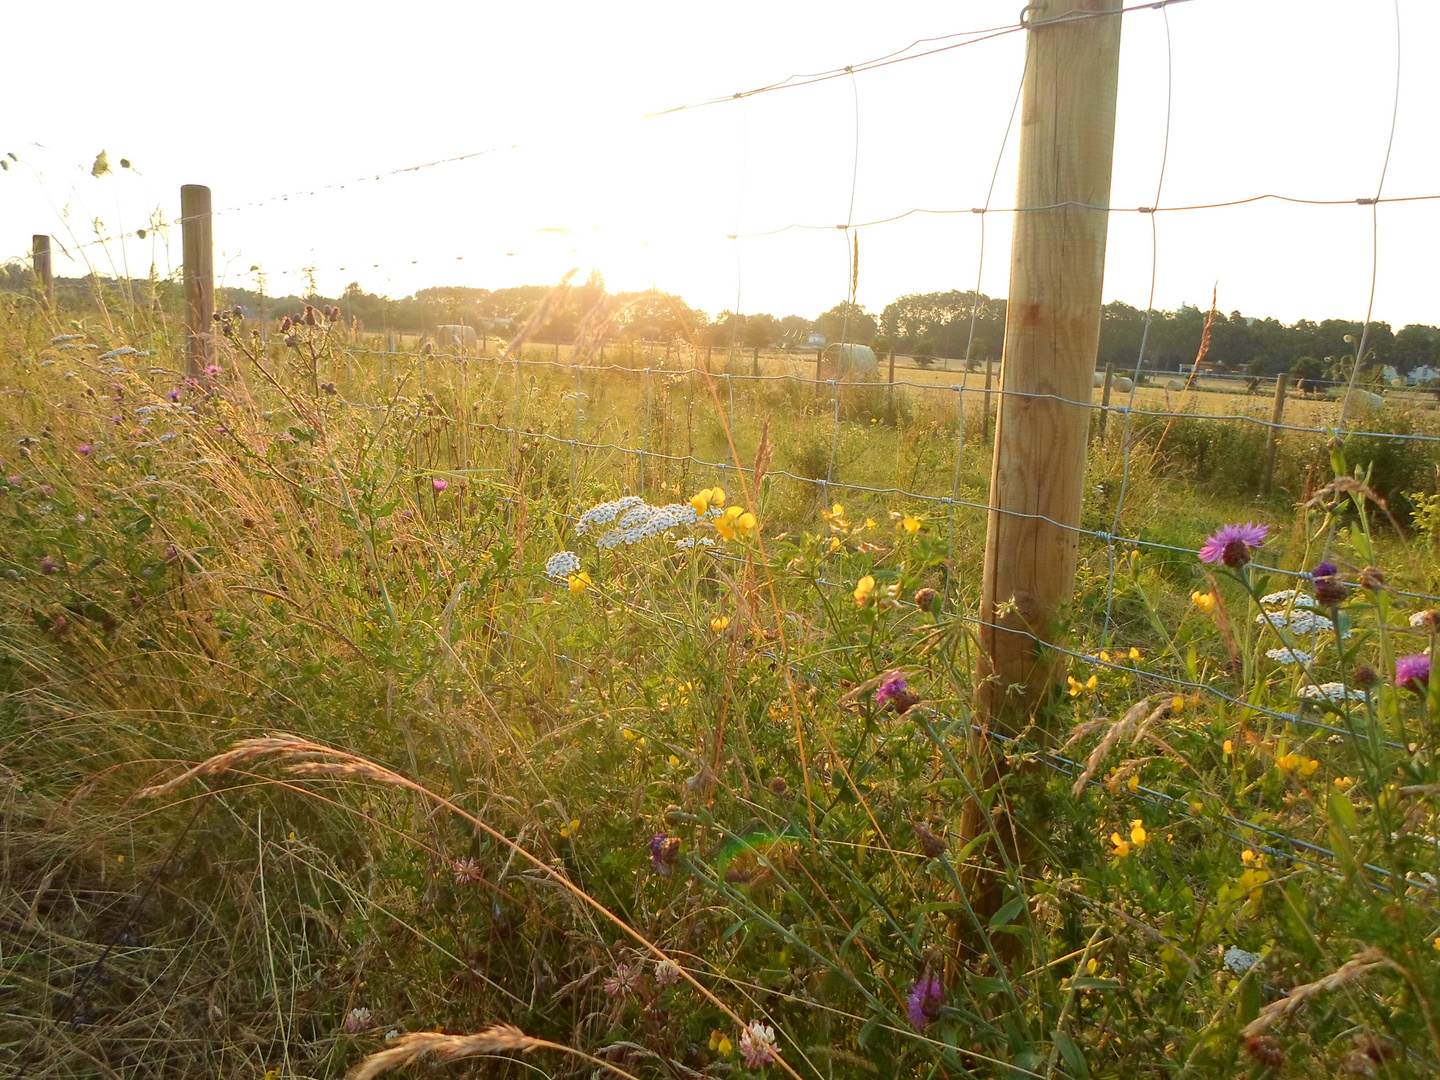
(561, 565)
(1289, 656)
(1293, 597)
(1330, 691)
(1239, 960)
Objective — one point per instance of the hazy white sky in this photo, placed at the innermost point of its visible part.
(274, 98)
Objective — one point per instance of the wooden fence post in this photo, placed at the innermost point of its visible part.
(44, 270)
(985, 437)
(1052, 333)
(755, 362)
(1272, 441)
(1105, 401)
(199, 257)
(819, 353)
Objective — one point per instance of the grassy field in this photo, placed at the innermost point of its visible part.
(667, 809)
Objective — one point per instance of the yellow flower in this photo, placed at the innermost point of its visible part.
(674, 762)
(1091, 966)
(1196, 807)
(1436, 943)
(1077, 687)
(719, 623)
(1138, 835)
(1134, 653)
(1204, 601)
(911, 524)
(580, 582)
(700, 501)
(721, 1042)
(1344, 783)
(1177, 703)
(570, 829)
(735, 522)
(1288, 762)
(863, 588)
(1247, 856)
(1104, 657)
(1133, 783)
(1251, 880)
(835, 516)
(1122, 846)
(717, 496)
(869, 523)
(834, 544)
(1307, 767)
(1229, 747)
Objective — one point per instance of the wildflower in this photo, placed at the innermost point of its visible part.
(922, 1003)
(893, 686)
(1232, 544)
(701, 501)
(735, 522)
(1372, 579)
(1122, 846)
(1204, 601)
(467, 872)
(1138, 835)
(358, 1020)
(925, 599)
(1411, 672)
(719, 623)
(1290, 597)
(1289, 656)
(931, 845)
(1266, 1050)
(1133, 784)
(721, 1042)
(439, 485)
(49, 566)
(84, 449)
(1294, 763)
(1251, 880)
(213, 370)
(835, 517)
(1077, 687)
(1364, 676)
(1239, 961)
(1428, 620)
(1330, 691)
(561, 565)
(1104, 656)
(910, 523)
(1329, 589)
(667, 973)
(1344, 783)
(664, 850)
(624, 982)
(1177, 704)
(570, 829)
(757, 1044)
(578, 583)
(863, 588)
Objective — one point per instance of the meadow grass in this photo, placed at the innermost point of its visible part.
(635, 812)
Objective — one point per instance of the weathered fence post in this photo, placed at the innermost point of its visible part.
(755, 362)
(1052, 335)
(199, 256)
(1105, 401)
(986, 435)
(1272, 440)
(819, 353)
(44, 271)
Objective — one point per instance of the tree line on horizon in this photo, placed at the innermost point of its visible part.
(954, 325)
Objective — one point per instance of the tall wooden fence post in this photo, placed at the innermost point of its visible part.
(199, 255)
(985, 436)
(44, 270)
(1272, 441)
(892, 384)
(1052, 334)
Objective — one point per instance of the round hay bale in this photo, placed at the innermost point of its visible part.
(1124, 384)
(1174, 385)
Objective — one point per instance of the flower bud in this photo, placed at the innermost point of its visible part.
(1372, 579)
(1364, 677)
(927, 599)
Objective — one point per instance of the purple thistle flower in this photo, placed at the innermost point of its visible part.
(893, 686)
(664, 849)
(439, 485)
(1231, 544)
(1329, 589)
(1413, 672)
(213, 369)
(49, 566)
(174, 395)
(922, 1003)
(84, 449)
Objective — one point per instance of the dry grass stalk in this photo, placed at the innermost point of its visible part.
(1346, 974)
(496, 1039)
(1118, 731)
(344, 764)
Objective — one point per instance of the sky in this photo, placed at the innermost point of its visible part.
(304, 118)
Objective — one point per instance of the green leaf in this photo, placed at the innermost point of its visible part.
(1085, 982)
(1008, 912)
(1072, 1054)
(867, 1029)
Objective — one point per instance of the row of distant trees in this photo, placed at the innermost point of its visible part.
(953, 325)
